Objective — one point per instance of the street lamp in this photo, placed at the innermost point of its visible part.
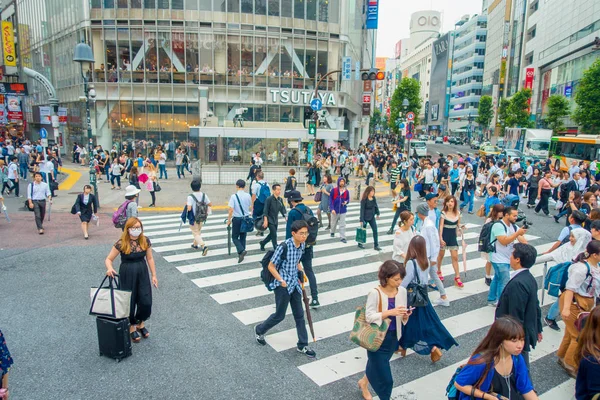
(84, 55)
(470, 128)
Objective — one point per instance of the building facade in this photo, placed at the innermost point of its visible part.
(436, 106)
(256, 64)
(468, 60)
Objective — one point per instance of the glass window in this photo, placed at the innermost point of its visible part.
(191, 4)
(114, 121)
(191, 57)
(274, 8)
(109, 3)
(299, 9)
(140, 122)
(334, 11)
(206, 60)
(259, 61)
(220, 5)
(179, 65)
(137, 56)
(311, 10)
(220, 54)
(150, 4)
(310, 60)
(233, 5)
(165, 64)
(234, 70)
(272, 113)
(126, 110)
(163, 4)
(122, 4)
(324, 10)
(96, 4)
(260, 7)
(274, 70)
(287, 70)
(247, 60)
(177, 4)
(136, 3)
(206, 5)
(232, 150)
(247, 6)
(286, 8)
(151, 63)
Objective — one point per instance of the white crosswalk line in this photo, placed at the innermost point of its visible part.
(564, 391)
(342, 365)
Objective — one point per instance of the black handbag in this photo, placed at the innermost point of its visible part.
(247, 221)
(53, 185)
(416, 292)
(157, 187)
(27, 207)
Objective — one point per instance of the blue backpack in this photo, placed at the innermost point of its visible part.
(263, 193)
(556, 278)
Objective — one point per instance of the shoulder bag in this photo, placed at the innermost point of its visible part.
(110, 301)
(247, 221)
(157, 187)
(27, 207)
(368, 336)
(416, 292)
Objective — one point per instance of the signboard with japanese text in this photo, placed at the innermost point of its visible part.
(346, 68)
(8, 44)
(15, 89)
(62, 115)
(45, 113)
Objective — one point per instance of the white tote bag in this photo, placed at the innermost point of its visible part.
(110, 301)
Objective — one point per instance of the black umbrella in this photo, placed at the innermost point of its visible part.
(307, 306)
(228, 238)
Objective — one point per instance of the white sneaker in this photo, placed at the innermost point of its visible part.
(442, 302)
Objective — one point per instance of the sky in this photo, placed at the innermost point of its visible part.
(394, 18)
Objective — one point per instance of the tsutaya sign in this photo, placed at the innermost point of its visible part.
(303, 97)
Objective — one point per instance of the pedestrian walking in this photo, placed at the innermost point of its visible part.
(369, 213)
(134, 180)
(4, 177)
(338, 202)
(587, 356)
(395, 175)
(273, 207)
(581, 289)
(325, 189)
(131, 197)
(450, 230)
(311, 179)
(544, 192)
(260, 192)
(424, 332)
(503, 234)
(198, 204)
(468, 187)
(287, 272)
(37, 193)
(496, 214)
(401, 201)
(116, 170)
(388, 301)
(533, 188)
(403, 236)
(429, 231)
(162, 164)
(151, 183)
(13, 176)
(179, 163)
(240, 204)
(86, 207)
(6, 362)
(298, 212)
(135, 250)
(519, 298)
(497, 363)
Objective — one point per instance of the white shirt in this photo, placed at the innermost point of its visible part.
(432, 239)
(198, 196)
(581, 183)
(573, 170)
(502, 253)
(163, 159)
(12, 171)
(400, 246)
(514, 273)
(40, 191)
(529, 172)
(515, 167)
(428, 174)
(246, 201)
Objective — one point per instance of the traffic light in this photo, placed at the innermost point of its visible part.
(373, 75)
(312, 128)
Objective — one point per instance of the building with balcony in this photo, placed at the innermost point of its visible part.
(468, 56)
(258, 62)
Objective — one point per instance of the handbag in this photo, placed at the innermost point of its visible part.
(157, 187)
(53, 185)
(318, 196)
(110, 301)
(361, 235)
(481, 211)
(368, 336)
(416, 292)
(418, 187)
(247, 221)
(27, 207)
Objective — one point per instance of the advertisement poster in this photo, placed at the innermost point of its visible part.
(8, 44)
(13, 105)
(45, 113)
(62, 115)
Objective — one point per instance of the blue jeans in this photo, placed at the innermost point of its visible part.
(469, 198)
(412, 177)
(501, 278)
(23, 170)
(163, 168)
(554, 311)
(180, 171)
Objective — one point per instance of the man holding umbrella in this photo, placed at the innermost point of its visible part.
(287, 271)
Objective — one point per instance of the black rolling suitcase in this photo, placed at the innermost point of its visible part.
(113, 337)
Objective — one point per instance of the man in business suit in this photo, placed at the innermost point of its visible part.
(519, 298)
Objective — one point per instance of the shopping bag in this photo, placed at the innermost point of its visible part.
(361, 235)
(368, 336)
(110, 301)
(481, 211)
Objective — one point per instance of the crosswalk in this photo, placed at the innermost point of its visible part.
(345, 274)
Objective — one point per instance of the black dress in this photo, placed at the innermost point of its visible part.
(86, 209)
(134, 276)
(449, 232)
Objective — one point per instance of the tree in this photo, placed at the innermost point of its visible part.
(503, 112)
(558, 109)
(587, 98)
(485, 112)
(375, 120)
(518, 110)
(409, 89)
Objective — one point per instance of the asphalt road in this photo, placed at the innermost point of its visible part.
(202, 344)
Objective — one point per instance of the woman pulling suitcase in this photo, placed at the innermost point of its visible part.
(135, 250)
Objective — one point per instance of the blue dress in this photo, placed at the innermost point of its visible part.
(5, 359)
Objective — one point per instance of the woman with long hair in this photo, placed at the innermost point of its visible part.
(587, 356)
(403, 235)
(151, 182)
(135, 250)
(310, 179)
(86, 207)
(533, 187)
(325, 189)
(583, 286)
(424, 332)
(134, 180)
(497, 364)
(494, 181)
(496, 214)
(573, 203)
(450, 229)
(401, 200)
(387, 301)
(369, 212)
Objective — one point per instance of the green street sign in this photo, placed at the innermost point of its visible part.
(312, 128)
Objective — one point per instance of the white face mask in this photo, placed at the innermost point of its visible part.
(135, 232)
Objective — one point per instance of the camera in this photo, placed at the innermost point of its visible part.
(526, 224)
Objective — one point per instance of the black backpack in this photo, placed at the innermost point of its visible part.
(485, 244)
(313, 225)
(265, 274)
(201, 210)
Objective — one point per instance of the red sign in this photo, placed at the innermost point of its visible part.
(15, 116)
(366, 98)
(410, 116)
(529, 73)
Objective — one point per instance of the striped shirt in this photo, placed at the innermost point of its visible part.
(288, 268)
(394, 174)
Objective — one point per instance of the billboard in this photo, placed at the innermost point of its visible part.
(8, 44)
(372, 14)
(438, 85)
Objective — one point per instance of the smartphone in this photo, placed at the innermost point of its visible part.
(411, 308)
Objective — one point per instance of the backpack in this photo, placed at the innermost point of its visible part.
(451, 391)
(485, 244)
(265, 274)
(556, 278)
(263, 192)
(567, 238)
(119, 217)
(313, 225)
(201, 210)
